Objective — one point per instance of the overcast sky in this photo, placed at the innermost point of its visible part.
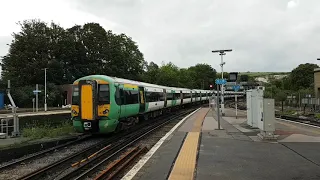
(265, 35)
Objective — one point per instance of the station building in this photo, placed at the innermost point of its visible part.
(317, 82)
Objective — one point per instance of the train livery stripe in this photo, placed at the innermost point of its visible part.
(98, 80)
(130, 86)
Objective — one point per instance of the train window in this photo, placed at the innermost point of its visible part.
(186, 95)
(132, 97)
(118, 96)
(154, 96)
(75, 95)
(169, 96)
(161, 95)
(104, 94)
(177, 95)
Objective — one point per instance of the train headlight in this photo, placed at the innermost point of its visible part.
(105, 111)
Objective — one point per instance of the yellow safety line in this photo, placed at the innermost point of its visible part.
(184, 166)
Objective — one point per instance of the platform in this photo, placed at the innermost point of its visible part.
(39, 113)
(197, 150)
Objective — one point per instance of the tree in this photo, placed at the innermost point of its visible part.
(225, 75)
(168, 75)
(281, 96)
(69, 54)
(302, 76)
(30, 51)
(203, 75)
(151, 73)
(244, 78)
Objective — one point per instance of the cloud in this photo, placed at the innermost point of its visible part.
(293, 3)
(264, 35)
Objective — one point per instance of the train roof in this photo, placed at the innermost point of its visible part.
(122, 80)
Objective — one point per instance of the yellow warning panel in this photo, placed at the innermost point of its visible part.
(185, 164)
(86, 102)
(75, 110)
(197, 125)
(103, 110)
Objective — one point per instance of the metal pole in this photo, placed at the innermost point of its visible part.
(16, 131)
(36, 97)
(222, 86)
(218, 108)
(45, 89)
(32, 104)
(236, 106)
(299, 102)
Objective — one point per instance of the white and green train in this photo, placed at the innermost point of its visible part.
(104, 104)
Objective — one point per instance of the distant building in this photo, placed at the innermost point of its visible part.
(317, 82)
(67, 93)
(265, 79)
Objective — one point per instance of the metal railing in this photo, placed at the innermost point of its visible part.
(4, 126)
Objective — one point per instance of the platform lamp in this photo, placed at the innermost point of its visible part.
(222, 53)
(45, 89)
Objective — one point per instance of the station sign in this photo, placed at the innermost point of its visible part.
(220, 81)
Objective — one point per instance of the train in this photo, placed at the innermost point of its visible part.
(103, 104)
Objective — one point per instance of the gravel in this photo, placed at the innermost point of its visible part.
(27, 167)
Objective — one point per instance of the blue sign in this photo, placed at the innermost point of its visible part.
(236, 87)
(35, 91)
(221, 81)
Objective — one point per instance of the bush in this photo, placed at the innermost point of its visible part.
(47, 131)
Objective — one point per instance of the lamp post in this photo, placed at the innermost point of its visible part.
(45, 89)
(222, 53)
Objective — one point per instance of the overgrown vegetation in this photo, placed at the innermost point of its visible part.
(297, 84)
(43, 131)
(260, 74)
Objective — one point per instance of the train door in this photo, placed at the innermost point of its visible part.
(142, 100)
(181, 96)
(88, 91)
(122, 102)
(165, 98)
(191, 96)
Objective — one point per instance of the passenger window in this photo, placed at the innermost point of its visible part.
(104, 94)
(75, 95)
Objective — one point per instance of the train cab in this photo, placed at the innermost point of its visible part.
(90, 103)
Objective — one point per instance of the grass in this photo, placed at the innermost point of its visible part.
(259, 74)
(317, 116)
(288, 112)
(47, 131)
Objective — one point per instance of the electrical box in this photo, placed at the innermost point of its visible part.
(249, 109)
(254, 106)
(267, 120)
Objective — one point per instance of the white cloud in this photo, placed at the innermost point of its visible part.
(264, 35)
(293, 3)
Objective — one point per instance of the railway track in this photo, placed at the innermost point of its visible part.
(118, 165)
(42, 153)
(84, 163)
(300, 120)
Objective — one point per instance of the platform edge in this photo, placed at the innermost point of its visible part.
(150, 153)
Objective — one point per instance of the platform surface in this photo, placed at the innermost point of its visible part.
(235, 152)
(39, 113)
